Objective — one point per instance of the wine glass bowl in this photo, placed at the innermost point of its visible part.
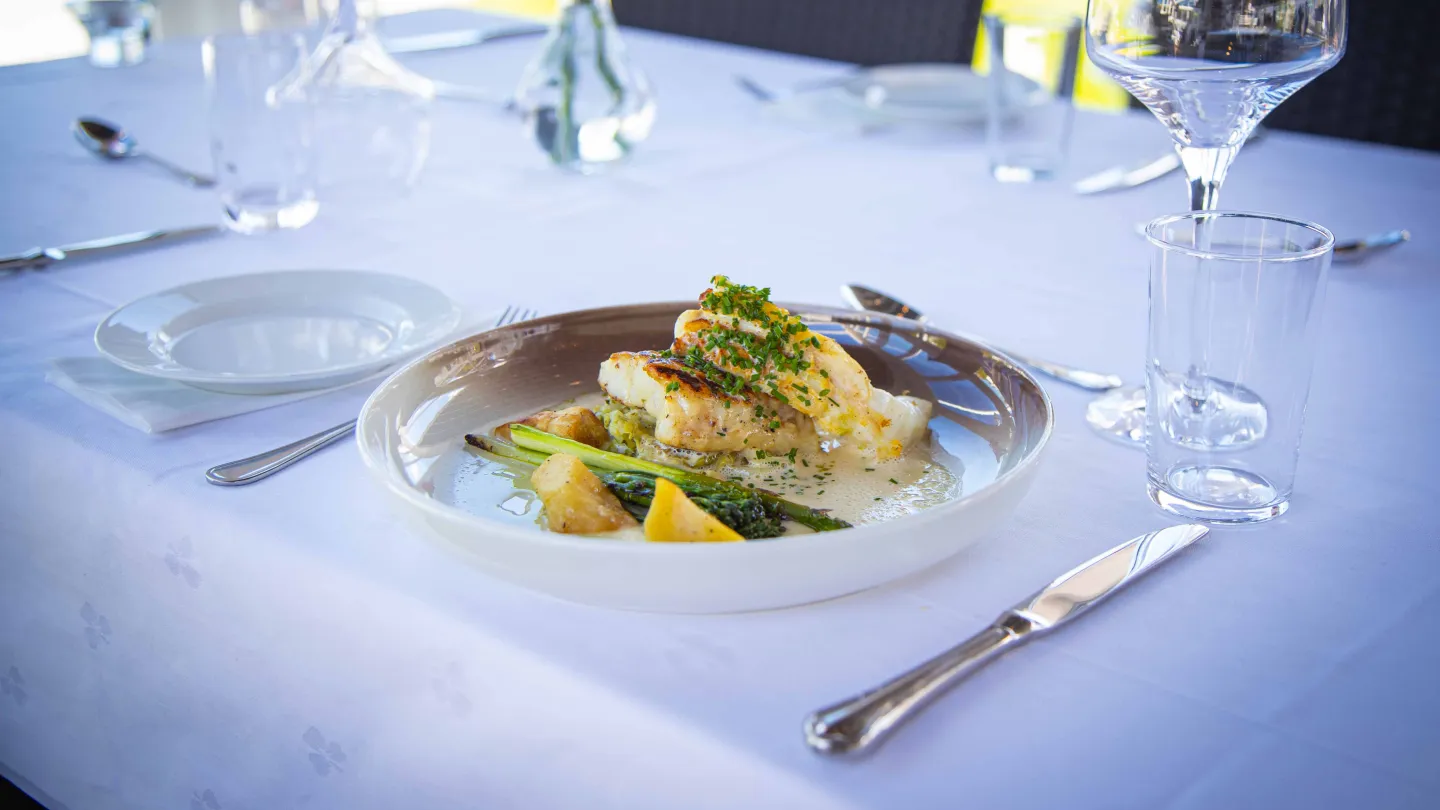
(1210, 71)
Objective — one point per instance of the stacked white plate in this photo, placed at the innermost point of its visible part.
(277, 332)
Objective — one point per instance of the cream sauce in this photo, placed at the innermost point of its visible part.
(854, 488)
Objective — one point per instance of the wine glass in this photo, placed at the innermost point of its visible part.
(1210, 70)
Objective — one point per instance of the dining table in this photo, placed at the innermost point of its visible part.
(299, 643)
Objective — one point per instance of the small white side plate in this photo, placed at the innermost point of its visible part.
(277, 332)
(929, 93)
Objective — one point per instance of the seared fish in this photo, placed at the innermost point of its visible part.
(831, 387)
(694, 413)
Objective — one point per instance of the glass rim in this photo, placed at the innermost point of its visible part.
(1327, 239)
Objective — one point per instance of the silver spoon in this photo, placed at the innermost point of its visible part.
(1357, 250)
(113, 143)
(874, 301)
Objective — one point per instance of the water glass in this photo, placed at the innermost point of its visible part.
(261, 138)
(1234, 316)
(1033, 61)
(119, 29)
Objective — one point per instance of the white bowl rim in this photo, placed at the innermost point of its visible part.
(494, 529)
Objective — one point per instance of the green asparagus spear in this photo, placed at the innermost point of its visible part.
(747, 514)
(540, 442)
(504, 449)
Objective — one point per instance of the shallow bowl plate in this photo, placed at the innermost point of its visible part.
(932, 93)
(275, 332)
(991, 418)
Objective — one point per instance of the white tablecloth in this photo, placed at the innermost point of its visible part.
(168, 644)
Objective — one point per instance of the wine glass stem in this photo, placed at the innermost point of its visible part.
(1205, 168)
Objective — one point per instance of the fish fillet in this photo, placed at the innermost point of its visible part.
(694, 413)
(817, 377)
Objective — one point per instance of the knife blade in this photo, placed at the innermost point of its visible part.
(446, 40)
(855, 724)
(1120, 177)
(41, 257)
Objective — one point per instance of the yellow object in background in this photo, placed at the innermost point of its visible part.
(537, 9)
(674, 518)
(1093, 89)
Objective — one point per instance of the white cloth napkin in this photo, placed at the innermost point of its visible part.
(155, 405)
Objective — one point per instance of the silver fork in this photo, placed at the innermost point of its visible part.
(252, 469)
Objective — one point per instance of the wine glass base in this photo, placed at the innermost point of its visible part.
(1119, 415)
(249, 216)
(1218, 495)
(1230, 416)
(1226, 416)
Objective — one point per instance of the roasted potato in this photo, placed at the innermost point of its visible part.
(577, 502)
(579, 424)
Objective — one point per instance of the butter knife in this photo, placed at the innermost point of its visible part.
(1118, 177)
(861, 721)
(446, 40)
(1122, 177)
(41, 258)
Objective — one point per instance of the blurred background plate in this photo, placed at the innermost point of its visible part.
(930, 93)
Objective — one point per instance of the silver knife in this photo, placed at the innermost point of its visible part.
(445, 40)
(861, 721)
(41, 258)
(1119, 177)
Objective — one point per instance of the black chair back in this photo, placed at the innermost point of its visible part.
(1385, 89)
(866, 32)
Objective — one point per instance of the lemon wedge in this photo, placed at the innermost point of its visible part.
(674, 518)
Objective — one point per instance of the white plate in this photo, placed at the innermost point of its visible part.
(277, 332)
(991, 418)
(929, 93)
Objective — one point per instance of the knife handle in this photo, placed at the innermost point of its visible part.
(34, 259)
(857, 723)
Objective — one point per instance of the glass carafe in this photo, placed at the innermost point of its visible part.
(584, 103)
(372, 115)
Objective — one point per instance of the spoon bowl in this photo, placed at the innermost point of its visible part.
(104, 139)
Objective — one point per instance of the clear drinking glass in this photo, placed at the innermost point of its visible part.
(119, 29)
(262, 141)
(1210, 72)
(1230, 459)
(1033, 60)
